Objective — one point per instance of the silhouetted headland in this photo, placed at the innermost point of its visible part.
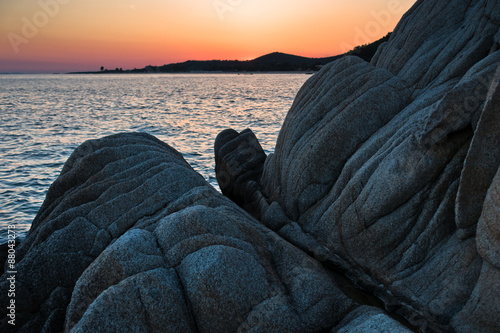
(273, 62)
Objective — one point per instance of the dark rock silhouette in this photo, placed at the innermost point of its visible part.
(391, 166)
(239, 163)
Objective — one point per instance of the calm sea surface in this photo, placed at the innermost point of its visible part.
(43, 118)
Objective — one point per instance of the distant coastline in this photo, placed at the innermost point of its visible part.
(273, 62)
(276, 62)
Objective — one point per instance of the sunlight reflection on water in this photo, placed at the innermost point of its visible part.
(43, 118)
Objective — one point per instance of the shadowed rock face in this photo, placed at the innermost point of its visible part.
(390, 166)
(131, 239)
(239, 160)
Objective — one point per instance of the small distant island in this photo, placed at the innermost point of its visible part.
(273, 62)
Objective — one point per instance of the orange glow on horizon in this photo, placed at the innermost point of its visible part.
(73, 35)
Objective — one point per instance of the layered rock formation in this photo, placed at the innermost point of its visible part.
(131, 239)
(392, 167)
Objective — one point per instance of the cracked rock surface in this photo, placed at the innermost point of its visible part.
(131, 239)
(389, 169)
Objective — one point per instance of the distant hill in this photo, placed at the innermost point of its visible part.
(287, 61)
(273, 62)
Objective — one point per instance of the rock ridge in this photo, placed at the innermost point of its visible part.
(388, 170)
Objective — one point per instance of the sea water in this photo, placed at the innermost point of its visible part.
(43, 118)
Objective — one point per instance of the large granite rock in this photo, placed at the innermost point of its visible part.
(390, 166)
(131, 239)
(379, 211)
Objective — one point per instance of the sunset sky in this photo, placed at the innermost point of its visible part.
(73, 35)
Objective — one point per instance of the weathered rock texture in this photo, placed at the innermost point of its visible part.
(131, 239)
(386, 172)
(390, 166)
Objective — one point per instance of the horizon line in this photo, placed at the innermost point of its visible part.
(165, 64)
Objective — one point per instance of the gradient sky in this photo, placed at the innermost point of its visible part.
(73, 35)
